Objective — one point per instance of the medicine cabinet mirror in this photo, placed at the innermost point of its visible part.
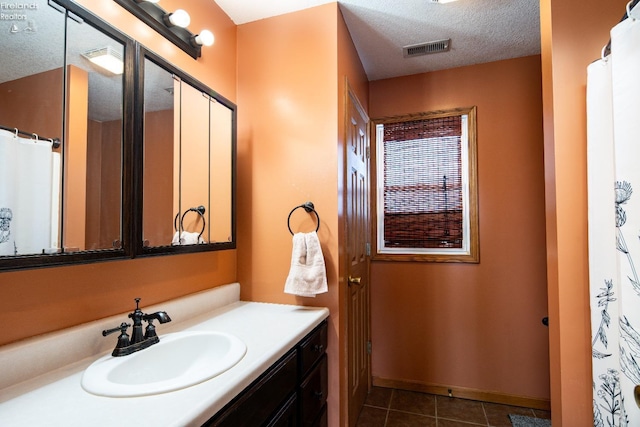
(189, 135)
(88, 169)
(62, 137)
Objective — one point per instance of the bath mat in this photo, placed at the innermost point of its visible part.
(523, 421)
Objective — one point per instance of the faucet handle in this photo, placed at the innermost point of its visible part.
(123, 339)
(122, 328)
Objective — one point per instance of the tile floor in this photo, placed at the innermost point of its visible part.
(387, 407)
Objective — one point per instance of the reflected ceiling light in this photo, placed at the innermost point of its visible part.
(179, 18)
(205, 38)
(107, 58)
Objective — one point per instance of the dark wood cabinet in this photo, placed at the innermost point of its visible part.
(291, 393)
(313, 394)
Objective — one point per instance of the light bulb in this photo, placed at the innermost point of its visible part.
(179, 18)
(205, 38)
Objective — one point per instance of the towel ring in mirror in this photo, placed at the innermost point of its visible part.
(200, 210)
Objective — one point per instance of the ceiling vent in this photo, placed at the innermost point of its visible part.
(426, 48)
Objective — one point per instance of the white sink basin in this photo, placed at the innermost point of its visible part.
(179, 360)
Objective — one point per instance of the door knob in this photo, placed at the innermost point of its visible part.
(354, 280)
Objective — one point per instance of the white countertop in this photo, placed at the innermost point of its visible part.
(268, 330)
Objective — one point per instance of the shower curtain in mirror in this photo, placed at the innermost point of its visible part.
(29, 187)
(613, 152)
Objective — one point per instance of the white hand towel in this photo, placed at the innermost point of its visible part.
(307, 276)
(187, 238)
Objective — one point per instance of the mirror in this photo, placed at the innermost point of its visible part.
(93, 140)
(60, 204)
(157, 177)
(31, 100)
(189, 135)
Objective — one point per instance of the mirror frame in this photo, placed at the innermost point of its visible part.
(138, 247)
(124, 252)
(132, 161)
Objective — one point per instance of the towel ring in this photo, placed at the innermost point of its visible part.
(308, 207)
(200, 210)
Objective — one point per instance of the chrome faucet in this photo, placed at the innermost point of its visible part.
(138, 340)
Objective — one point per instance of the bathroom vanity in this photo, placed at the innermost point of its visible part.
(280, 381)
(292, 392)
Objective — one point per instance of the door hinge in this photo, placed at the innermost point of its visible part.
(369, 347)
(367, 249)
(368, 152)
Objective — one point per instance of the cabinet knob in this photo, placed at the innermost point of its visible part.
(318, 348)
(318, 395)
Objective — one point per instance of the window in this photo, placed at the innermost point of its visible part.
(426, 187)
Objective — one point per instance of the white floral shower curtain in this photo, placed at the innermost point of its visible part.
(29, 183)
(613, 133)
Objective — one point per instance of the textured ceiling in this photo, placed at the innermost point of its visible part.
(480, 30)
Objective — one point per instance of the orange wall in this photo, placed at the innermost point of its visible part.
(42, 300)
(94, 182)
(75, 160)
(290, 99)
(157, 210)
(24, 102)
(573, 34)
(474, 326)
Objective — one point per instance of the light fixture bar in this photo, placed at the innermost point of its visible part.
(154, 16)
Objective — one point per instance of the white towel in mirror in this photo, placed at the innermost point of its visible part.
(187, 238)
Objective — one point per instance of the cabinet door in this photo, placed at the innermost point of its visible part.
(287, 416)
(313, 393)
(322, 419)
(262, 399)
(312, 348)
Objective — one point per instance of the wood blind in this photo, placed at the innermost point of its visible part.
(423, 183)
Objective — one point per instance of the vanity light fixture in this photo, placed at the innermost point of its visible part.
(172, 25)
(107, 58)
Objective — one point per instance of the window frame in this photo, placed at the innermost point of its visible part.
(470, 251)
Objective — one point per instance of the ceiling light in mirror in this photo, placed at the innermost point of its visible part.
(107, 58)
